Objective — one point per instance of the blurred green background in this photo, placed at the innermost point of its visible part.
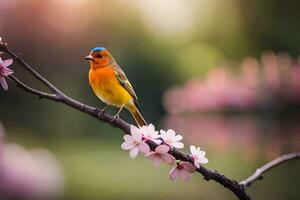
(159, 44)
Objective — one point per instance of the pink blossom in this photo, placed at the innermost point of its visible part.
(149, 133)
(1, 44)
(5, 71)
(29, 174)
(183, 169)
(161, 155)
(135, 143)
(198, 156)
(170, 138)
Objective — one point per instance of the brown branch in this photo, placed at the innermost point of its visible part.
(18, 58)
(23, 86)
(276, 162)
(58, 96)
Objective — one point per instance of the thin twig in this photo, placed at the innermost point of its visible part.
(260, 171)
(31, 90)
(30, 69)
(232, 185)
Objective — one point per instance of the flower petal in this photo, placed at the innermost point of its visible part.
(178, 138)
(203, 160)
(162, 149)
(193, 149)
(7, 62)
(171, 133)
(133, 129)
(178, 145)
(201, 154)
(163, 134)
(5, 71)
(128, 138)
(137, 136)
(144, 130)
(188, 167)
(168, 159)
(153, 135)
(156, 134)
(157, 141)
(184, 174)
(197, 165)
(157, 161)
(151, 127)
(3, 83)
(144, 148)
(174, 173)
(133, 152)
(149, 132)
(127, 146)
(150, 155)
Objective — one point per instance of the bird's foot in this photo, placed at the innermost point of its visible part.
(115, 118)
(99, 112)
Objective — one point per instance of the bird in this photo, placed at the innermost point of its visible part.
(111, 85)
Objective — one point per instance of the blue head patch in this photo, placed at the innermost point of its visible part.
(98, 49)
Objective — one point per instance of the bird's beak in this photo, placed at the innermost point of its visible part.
(89, 57)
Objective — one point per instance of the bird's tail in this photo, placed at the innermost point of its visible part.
(137, 116)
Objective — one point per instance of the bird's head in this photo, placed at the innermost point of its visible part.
(100, 56)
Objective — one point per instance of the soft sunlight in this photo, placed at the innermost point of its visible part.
(169, 18)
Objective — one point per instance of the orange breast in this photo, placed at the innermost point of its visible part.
(101, 76)
(107, 88)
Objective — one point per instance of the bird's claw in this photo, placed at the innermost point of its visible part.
(99, 112)
(115, 118)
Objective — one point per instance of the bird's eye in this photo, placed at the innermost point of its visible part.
(99, 56)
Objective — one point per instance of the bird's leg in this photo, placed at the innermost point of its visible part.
(116, 116)
(99, 112)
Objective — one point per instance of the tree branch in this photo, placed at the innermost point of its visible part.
(58, 96)
(23, 86)
(276, 162)
(18, 58)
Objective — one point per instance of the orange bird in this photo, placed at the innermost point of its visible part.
(111, 85)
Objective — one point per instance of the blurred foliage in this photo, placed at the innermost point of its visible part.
(54, 36)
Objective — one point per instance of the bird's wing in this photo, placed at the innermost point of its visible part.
(121, 76)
